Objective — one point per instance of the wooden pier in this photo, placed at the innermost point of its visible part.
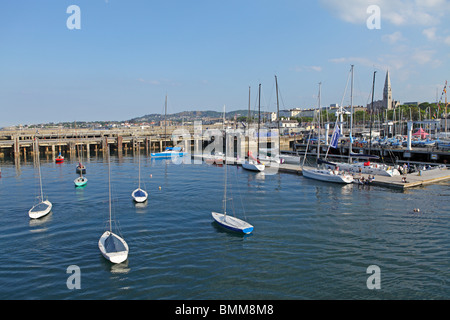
(19, 143)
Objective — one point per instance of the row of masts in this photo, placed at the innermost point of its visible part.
(259, 115)
(371, 120)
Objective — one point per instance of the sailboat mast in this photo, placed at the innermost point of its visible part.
(165, 123)
(248, 122)
(139, 157)
(109, 183)
(39, 168)
(225, 186)
(351, 120)
(259, 115)
(278, 117)
(445, 109)
(371, 112)
(318, 133)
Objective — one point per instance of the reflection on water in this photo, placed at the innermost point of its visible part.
(312, 240)
(40, 222)
(121, 268)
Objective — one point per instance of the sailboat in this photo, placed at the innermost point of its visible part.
(112, 247)
(81, 168)
(43, 207)
(139, 195)
(273, 155)
(169, 152)
(363, 167)
(326, 175)
(59, 158)
(226, 221)
(80, 181)
(252, 163)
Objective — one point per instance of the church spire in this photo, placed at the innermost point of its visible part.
(387, 92)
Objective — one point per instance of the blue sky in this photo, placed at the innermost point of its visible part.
(205, 54)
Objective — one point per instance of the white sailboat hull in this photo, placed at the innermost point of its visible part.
(36, 214)
(232, 223)
(168, 154)
(139, 195)
(80, 181)
(327, 176)
(114, 257)
(253, 166)
(373, 169)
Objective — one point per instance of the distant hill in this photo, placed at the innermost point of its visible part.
(190, 116)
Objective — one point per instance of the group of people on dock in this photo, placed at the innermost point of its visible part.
(369, 180)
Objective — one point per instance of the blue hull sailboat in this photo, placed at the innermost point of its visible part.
(113, 247)
(139, 195)
(232, 223)
(169, 153)
(228, 222)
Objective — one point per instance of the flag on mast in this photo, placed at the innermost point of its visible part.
(335, 137)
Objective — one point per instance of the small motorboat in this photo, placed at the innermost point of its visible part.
(41, 209)
(81, 169)
(80, 181)
(59, 159)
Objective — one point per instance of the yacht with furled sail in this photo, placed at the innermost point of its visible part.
(168, 152)
(43, 207)
(252, 163)
(325, 174)
(139, 195)
(363, 167)
(112, 246)
(225, 220)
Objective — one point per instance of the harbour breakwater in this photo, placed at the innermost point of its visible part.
(20, 144)
(195, 139)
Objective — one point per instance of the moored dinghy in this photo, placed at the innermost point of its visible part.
(253, 166)
(139, 195)
(43, 207)
(59, 158)
(226, 221)
(232, 223)
(81, 168)
(112, 247)
(80, 181)
(252, 163)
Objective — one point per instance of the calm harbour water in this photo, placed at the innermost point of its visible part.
(312, 240)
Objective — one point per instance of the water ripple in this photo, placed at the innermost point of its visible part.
(311, 240)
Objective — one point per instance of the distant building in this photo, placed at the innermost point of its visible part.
(308, 113)
(289, 124)
(162, 123)
(292, 113)
(411, 103)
